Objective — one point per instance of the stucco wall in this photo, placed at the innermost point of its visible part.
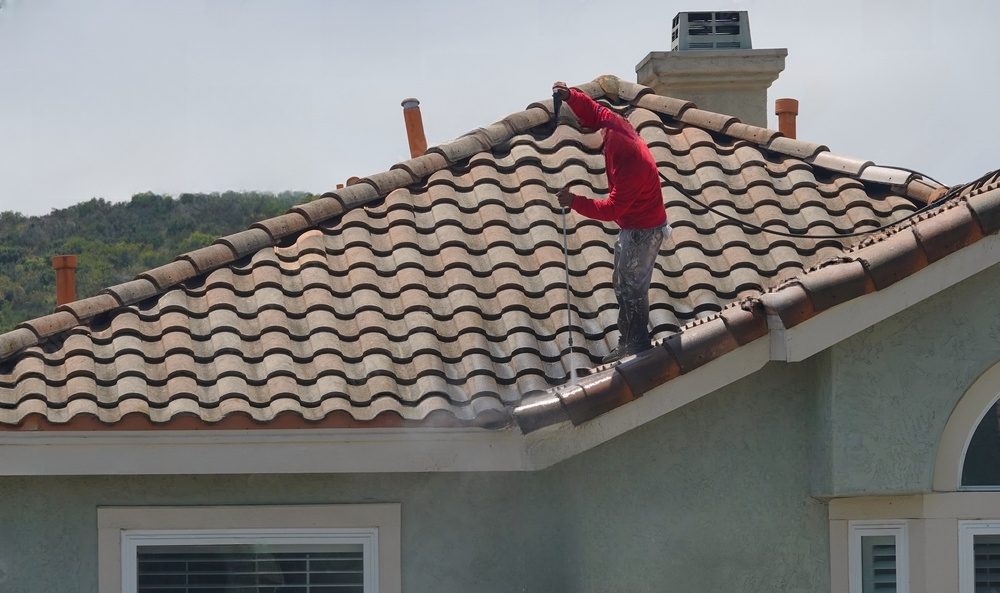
(713, 497)
(473, 532)
(891, 389)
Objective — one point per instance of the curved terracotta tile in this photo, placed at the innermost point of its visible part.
(839, 163)
(43, 327)
(320, 209)
(16, 340)
(209, 258)
(708, 120)
(986, 208)
(889, 261)
(791, 304)
(390, 180)
(133, 291)
(279, 227)
(667, 105)
(422, 166)
(796, 148)
(947, 231)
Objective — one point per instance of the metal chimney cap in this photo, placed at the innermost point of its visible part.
(710, 30)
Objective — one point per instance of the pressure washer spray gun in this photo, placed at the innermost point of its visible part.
(556, 105)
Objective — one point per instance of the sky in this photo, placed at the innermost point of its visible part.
(108, 98)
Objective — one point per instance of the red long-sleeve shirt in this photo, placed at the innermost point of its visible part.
(634, 200)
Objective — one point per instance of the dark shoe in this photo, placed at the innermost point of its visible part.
(623, 351)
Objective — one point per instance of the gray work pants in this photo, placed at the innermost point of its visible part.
(635, 255)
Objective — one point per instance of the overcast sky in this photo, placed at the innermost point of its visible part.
(107, 98)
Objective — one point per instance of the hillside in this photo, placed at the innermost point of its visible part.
(115, 241)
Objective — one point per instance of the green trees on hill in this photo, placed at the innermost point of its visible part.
(115, 242)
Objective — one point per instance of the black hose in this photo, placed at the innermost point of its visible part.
(749, 225)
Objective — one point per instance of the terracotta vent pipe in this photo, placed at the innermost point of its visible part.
(414, 127)
(786, 110)
(65, 267)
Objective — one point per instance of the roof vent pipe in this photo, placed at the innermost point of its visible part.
(786, 110)
(65, 267)
(414, 127)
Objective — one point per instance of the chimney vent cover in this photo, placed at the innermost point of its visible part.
(710, 30)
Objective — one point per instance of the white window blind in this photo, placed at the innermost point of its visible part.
(250, 561)
(878, 559)
(878, 564)
(251, 568)
(986, 549)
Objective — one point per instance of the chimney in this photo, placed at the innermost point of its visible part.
(414, 127)
(713, 64)
(65, 267)
(786, 110)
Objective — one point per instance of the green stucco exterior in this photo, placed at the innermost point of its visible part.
(887, 392)
(727, 494)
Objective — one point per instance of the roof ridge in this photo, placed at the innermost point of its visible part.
(915, 186)
(302, 217)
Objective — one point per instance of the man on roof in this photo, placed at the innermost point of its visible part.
(634, 203)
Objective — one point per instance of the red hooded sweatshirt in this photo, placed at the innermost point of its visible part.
(634, 200)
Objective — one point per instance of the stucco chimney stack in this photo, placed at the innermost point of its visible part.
(65, 267)
(414, 127)
(713, 64)
(786, 110)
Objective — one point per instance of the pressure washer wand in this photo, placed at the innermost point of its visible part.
(569, 318)
(556, 105)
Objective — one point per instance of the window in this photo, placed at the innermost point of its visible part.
(264, 549)
(981, 466)
(878, 557)
(250, 561)
(979, 556)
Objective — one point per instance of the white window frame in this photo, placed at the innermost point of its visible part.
(967, 530)
(133, 539)
(121, 530)
(897, 529)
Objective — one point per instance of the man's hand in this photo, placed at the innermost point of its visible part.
(565, 197)
(560, 88)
